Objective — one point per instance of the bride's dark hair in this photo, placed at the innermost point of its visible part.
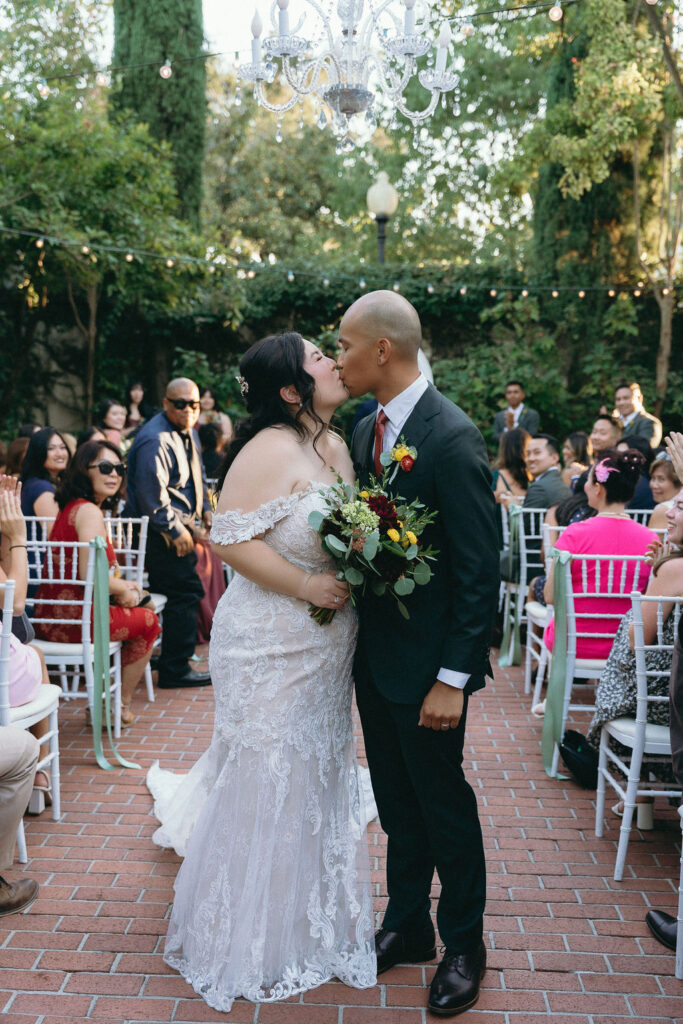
(270, 364)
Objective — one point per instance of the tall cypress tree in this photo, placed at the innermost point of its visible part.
(174, 109)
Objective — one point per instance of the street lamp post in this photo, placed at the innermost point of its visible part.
(382, 200)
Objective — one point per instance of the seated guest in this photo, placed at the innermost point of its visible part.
(94, 481)
(16, 451)
(45, 462)
(138, 410)
(547, 487)
(111, 420)
(517, 413)
(628, 398)
(664, 485)
(18, 759)
(211, 413)
(610, 485)
(642, 496)
(617, 690)
(27, 668)
(510, 476)
(212, 441)
(605, 435)
(90, 434)
(572, 510)
(577, 453)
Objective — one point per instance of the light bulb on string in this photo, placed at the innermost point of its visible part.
(40, 243)
(44, 89)
(361, 284)
(611, 293)
(85, 249)
(525, 293)
(636, 292)
(582, 294)
(100, 78)
(665, 291)
(251, 274)
(170, 263)
(430, 288)
(326, 282)
(493, 293)
(463, 290)
(556, 13)
(129, 257)
(397, 286)
(290, 276)
(212, 268)
(166, 70)
(554, 293)
(652, 3)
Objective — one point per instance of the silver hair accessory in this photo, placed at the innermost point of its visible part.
(244, 385)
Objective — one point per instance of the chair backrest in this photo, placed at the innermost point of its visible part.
(7, 594)
(645, 675)
(37, 530)
(550, 535)
(530, 540)
(599, 589)
(640, 515)
(505, 523)
(60, 566)
(128, 537)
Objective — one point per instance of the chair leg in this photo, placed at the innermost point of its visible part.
(21, 844)
(556, 761)
(148, 683)
(529, 656)
(55, 773)
(540, 675)
(679, 934)
(600, 795)
(117, 694)
(625, 830)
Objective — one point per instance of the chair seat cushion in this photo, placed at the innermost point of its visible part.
(53, 651)
(46, 699)
(159, 601)
(538, 613)
(657, 737)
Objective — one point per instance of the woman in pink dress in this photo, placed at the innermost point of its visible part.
(609, 488)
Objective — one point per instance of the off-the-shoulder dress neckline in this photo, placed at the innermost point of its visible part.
(279, 501)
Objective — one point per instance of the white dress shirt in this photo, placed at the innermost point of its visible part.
(397, 412)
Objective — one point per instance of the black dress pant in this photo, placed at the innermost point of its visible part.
(429, 813)
(175, 577)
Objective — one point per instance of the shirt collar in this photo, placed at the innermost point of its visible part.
(516, 412)
(401, 405)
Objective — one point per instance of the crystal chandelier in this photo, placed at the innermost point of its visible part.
(355, 61)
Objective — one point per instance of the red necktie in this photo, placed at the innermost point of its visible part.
(380, 427)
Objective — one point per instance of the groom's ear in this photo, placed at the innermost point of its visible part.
(383, 351)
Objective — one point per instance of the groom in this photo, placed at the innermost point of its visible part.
(413, 678)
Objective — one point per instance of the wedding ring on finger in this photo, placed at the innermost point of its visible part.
(445, 726)
(336, 599)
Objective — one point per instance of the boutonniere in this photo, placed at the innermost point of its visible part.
(402, 456)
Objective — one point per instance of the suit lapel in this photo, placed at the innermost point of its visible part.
(418, 425)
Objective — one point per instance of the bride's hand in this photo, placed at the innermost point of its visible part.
(324, 590)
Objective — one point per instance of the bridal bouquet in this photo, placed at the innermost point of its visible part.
(374, 539)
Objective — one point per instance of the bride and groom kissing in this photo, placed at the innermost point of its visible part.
(274, 893)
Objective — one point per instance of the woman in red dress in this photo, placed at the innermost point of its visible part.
(94, 481)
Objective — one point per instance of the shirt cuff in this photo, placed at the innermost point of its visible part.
(452, 678)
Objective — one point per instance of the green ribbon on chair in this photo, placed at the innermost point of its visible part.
(554, 698)
(101, 663)
(512, 654)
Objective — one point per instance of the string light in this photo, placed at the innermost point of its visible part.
(290, 276)
(430, 288)
(251, 274)
(397, 286)
(44, 89)
(166, 70)
(493, 293)
(85, 249)
(129, 257)
(582, 294)
(611, 293)
(361, 284)
(101, 78)
(212, 268)
(554, 293)
(636, 292)
(463, 290)
(326, 282)
(665, 291)
(556, 13)
(170, 263)
(525, 293)
(40, 242)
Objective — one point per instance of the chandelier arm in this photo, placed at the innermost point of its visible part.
(298, 82)
(274, 108)
(418, 115)
(390, 80)
(370, 23)
(325, 21)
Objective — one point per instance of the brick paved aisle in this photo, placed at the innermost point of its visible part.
(566, 943)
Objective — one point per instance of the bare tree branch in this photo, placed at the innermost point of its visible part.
(669, 60)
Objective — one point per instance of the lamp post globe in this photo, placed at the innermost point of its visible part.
(382, 201)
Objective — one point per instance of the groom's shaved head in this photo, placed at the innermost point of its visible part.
(384, 314)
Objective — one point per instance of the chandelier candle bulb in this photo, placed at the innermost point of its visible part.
(409, 24)
(256, 30)
(442, 48)
(283, 17)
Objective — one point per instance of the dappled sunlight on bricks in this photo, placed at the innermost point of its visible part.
(566, 943)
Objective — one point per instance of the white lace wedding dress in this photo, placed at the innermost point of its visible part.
(273, 896)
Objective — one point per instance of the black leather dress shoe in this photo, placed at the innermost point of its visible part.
(455, 986)
(663, 926)
(191, 678)
(398, 948)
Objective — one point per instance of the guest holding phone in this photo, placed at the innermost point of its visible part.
(94, 481)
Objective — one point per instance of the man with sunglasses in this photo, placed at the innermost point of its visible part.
(166, 483)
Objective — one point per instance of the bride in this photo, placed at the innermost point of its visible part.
(273, 897)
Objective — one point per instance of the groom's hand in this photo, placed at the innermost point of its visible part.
(442, 707)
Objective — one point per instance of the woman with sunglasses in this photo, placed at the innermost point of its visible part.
(95, 481)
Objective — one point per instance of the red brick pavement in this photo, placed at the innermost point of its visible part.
(566, 943)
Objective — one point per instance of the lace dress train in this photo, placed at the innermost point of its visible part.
(273, 896)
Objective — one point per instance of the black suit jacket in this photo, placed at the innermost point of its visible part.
(451, 617)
